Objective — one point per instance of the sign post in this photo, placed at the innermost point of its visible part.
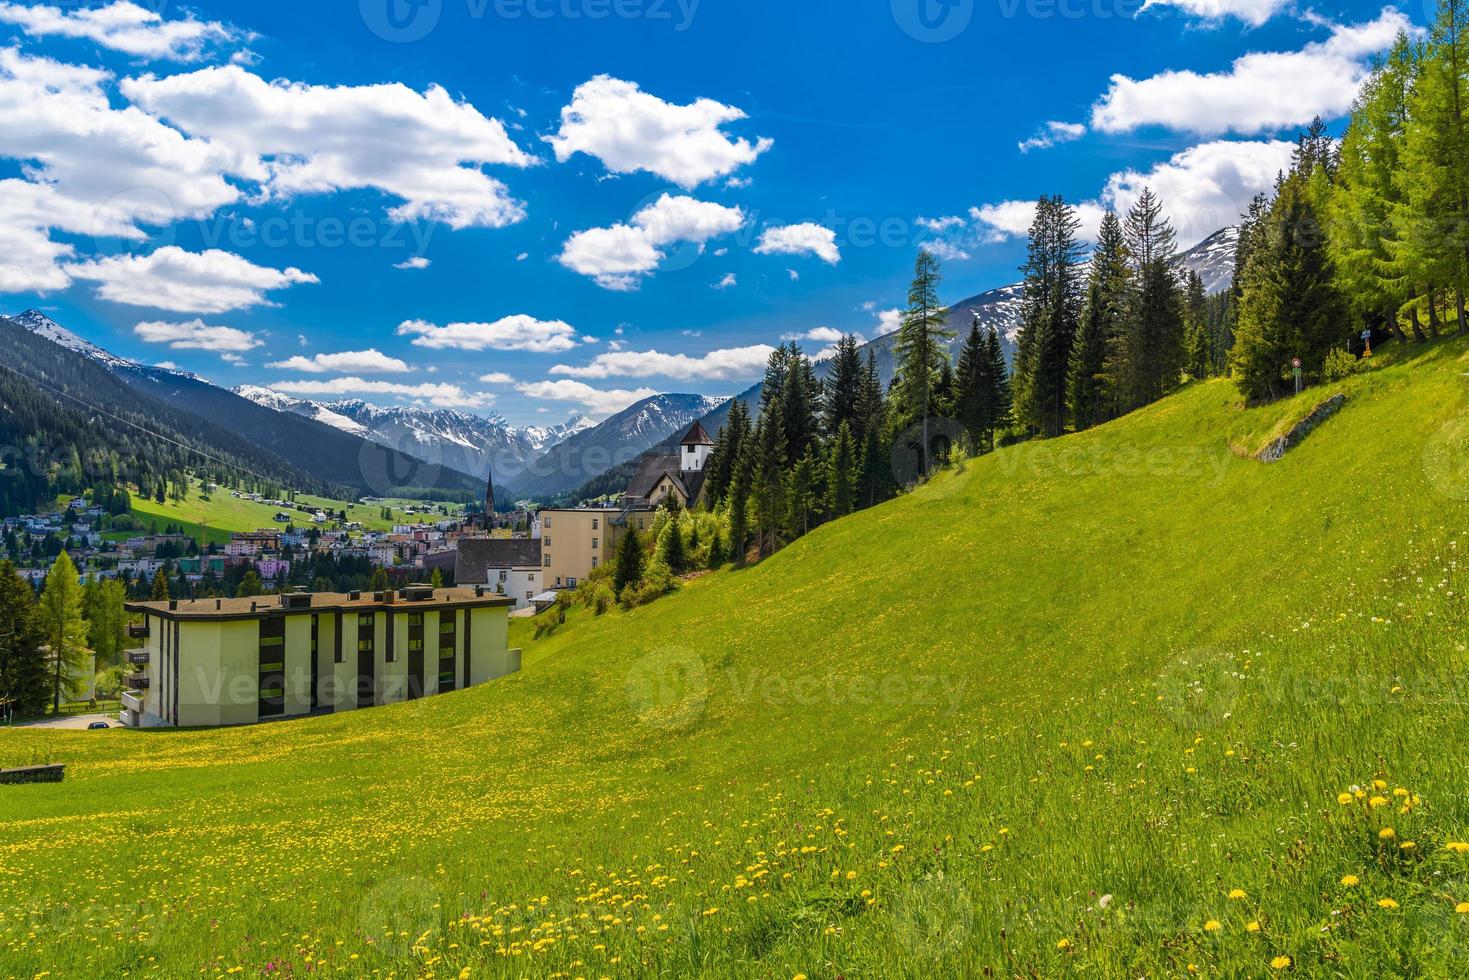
(1367, 339)
(1296, 366)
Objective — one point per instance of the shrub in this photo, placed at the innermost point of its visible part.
(1339, 365)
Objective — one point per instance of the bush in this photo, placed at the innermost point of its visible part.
(1339, 365)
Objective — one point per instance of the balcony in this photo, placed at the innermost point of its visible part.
(138, 631)
(138, 658)
(131, 702)
(137, 682)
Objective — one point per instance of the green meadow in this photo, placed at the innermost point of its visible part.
(1123, 704)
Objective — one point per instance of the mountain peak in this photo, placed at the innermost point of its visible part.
(42, 325)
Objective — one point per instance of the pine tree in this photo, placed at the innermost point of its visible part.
(25, 684)
(841, 473)
(251, 585)
(671, 548)
(1152, 334)
(802, 494)
(800, 406)
(875, 470)
(159, 592)
(728, 445)
(437, 579)
(65, 630)
(998, 398)
(970, 404)
(1198, 352)
(767, 487)
(842, 388)
(922, 348)
(628, 569)
(1050, 314)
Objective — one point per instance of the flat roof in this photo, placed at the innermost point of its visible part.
(270, 605)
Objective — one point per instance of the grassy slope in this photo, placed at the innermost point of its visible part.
(225, 513)
(925, 740)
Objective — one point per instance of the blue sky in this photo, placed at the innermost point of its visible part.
(541, 208)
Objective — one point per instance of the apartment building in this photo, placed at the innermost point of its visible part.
(574, 542)
(238, 661)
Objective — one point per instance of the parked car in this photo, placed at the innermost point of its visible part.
(97, 724)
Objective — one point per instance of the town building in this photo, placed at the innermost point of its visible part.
(679, 476)
(575, 542)
(213, 662)
(509, 566)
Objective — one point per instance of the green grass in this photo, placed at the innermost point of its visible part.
(1039, 718)
(224, 513)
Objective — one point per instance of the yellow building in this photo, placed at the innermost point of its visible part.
(239, 661)
(573, 542)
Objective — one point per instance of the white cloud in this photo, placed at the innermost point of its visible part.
(795, 276)
(946, 250)
(1260, 93)
(417, 262)
(628, 130)
(822, 335)
(1012, 219)
(1252, 12)
(728, 281)
(371, 361)
(438, 395)
(186, 282)
(518, 332)
(197, 335)
(1052, 134)
(728, 364)
(618, 257)
(89, 169)
(946, 223)
(167, 365)
(594, 400)
(1203, 189)
(802, 239)
(888, 321)
(497, 378)
(426, 149)
(122, 26)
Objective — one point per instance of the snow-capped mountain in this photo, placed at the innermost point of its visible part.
(473, 443)
(623, 437)
(42, 325)
(1213, 259)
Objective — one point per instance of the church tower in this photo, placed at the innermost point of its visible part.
(696, 448)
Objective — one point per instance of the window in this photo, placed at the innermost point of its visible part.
(548, 561)
(364, 646)
(595, 524)
(415, 619)
(415, 646)
(546, 542)
(504, 575)
(596, 561)
(594, 544)
(530, 595)
(546, 523)
(364, 619)
(446, 625)
(531, 577)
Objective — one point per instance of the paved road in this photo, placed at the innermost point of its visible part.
(70, 721)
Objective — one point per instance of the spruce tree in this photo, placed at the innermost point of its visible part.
(25, 684)
(159, 592)
(1197, 344)
(841, 473)
(628, 569)
(767, 488)
(802, 495)
(1152, 333)
(970, 403)
(65, 630)
(728, 445)
(251, 585)
(1086, 381)
(1050, 314)
(842, 388)
(922, 348)
(671, 548)
(998, 397)
(800, 407)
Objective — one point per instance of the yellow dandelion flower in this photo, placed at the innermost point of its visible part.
(1350, 881)
(1378, 784)
(1462, 908)
(1407, 845)
(1344, 799)
(1387, 833)
(1062, 943)
(1280, 963)
(1236, 894)
(799, 976)
(1377, 801)
(1213, 925)
(1458, 846)
(1386, 903)
(464, 974)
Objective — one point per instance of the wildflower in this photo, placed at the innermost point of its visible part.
(1386, 903)
(1062, 943)
(464, 974)
(1344, 799)
(1213, 925)
(1252, 927)
(799, 976)
(1458, 846)
(1236, 894)
(1462, 908)
(1280, 963)
(1387, 833)
(1377, 801)
(1407, 845)
(1350, 881)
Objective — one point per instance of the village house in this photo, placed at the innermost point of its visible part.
(510, 566)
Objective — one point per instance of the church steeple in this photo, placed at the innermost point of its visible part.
(489, 517)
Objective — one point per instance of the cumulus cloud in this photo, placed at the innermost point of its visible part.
(518, 332)
(417, 262)
(437, 395)
(594, 401)
(371, 361)
(1052, 134)
(197, 335)
(1260, 93)
(728, 364)
(620, 256)
(1252, 12)
(822, 335)
(497, 378)
(186, 282)
(1203, 189)
(728, 281)
(629, 130)
(888, 321)
(802, 239)
(122, 26)
(426, 149)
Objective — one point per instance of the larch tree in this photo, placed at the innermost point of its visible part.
(64, 629)
(922, 348)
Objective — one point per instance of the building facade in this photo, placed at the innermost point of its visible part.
(506, 566)
(214, 662)
(575, 542)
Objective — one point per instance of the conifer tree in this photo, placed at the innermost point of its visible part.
(1050, 314)
(998, 396)
(802, 495)
(767, 487)
(25, 683)
(728, 446)
(671, 548)
(1152, 335)
(875, 472)
(105, 619)
(800, 407)
(628, 570)
(842, 387)
(159, 591)
(970, 402)
(841, 473)
(1197, 343)
(922, 348)
(65, 630)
